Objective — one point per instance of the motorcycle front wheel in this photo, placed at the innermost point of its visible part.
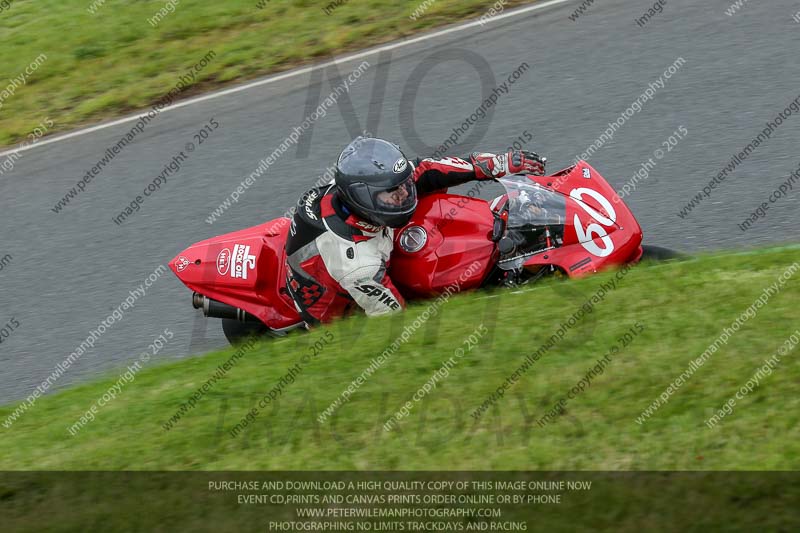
(658, 253)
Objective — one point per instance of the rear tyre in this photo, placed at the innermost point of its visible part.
(657, 253)
(237, 332)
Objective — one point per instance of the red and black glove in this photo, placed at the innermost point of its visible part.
(491, 166)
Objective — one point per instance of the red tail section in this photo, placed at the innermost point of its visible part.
(245, 269)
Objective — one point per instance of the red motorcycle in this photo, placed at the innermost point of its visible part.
(572, 223)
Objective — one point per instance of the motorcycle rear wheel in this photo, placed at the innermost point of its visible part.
(237, 332)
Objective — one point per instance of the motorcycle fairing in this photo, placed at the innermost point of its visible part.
(457, 249)
(449, 242)
(245, 269)
(599, 231)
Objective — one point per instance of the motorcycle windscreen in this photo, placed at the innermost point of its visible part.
(536, 218)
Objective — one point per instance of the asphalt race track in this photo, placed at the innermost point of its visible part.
(69, 270)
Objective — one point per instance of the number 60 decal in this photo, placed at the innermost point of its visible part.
(594, 231)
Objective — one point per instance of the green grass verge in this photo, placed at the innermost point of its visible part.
(113, 62)
(682, 307)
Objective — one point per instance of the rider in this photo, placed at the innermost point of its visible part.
(342, 234)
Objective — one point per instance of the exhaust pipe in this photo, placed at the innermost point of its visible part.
(215, 309)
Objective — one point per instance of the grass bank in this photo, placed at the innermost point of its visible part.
(106, 58)
(671, 313)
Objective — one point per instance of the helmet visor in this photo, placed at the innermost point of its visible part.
(380, 200)
(400, 198)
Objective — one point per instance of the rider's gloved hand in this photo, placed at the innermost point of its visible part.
(491, 166)
(526, 162)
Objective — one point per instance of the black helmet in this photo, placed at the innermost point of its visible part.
(375, 181)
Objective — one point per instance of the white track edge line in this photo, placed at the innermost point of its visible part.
(283, 76)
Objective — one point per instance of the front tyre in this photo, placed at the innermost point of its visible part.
(237, 332)
(658, 253)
